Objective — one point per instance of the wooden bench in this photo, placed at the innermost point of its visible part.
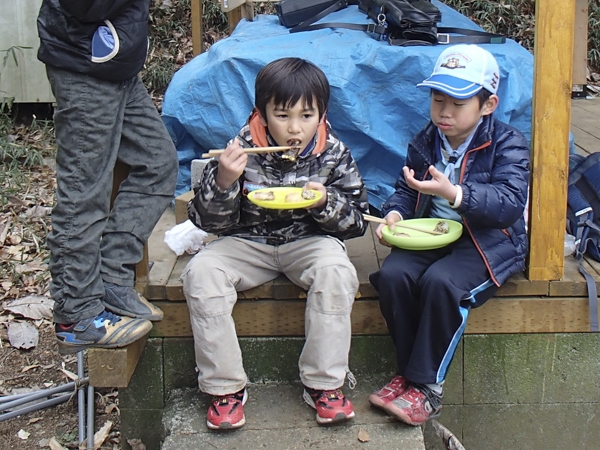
(277, 308)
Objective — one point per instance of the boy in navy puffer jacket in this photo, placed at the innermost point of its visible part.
(468, 167)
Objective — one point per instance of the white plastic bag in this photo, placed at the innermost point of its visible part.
(185, 238)
(570, 244)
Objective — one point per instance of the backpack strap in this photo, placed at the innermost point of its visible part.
(583, 225)
(580, 165)
(468, 36)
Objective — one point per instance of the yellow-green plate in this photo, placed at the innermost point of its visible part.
(279, 201)
(418, 240)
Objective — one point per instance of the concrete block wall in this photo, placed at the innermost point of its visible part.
(522, 391)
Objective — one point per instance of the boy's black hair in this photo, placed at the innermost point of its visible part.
(287, 80)
(482, 96)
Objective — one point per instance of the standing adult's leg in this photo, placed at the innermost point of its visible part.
(322, 267)
(148, 150)
(87, 122)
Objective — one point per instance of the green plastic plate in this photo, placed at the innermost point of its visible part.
(418, 240)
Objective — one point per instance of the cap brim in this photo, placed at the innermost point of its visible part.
(454, 87)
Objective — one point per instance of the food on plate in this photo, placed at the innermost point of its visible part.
(309, 195)
(442, 227)
(401, 234)
(264, 196)
(293, 197)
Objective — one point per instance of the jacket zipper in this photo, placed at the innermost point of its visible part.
(462, 174)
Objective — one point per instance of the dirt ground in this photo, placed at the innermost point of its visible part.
(41, 368)
(28, 195)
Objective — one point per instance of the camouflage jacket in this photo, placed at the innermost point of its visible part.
(230, 213)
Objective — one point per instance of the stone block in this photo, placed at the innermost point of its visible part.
(271, 359)
(453, 386)
(146, 387)
(504, 368)
(179, 363)
(531, 426)
(143, 424)
(531, 368)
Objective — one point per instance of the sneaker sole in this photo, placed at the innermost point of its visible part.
(378, 402)
(340, 417)
(130, 336)
(227, 425)
(399, 414)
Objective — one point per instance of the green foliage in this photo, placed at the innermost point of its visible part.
(516, 19)
(594, 34)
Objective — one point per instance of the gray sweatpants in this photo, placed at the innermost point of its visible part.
(96, 123)
(213, 277)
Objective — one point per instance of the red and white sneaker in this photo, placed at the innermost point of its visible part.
(389, 392)
(227, 411)
(332, 406)
(416, 406)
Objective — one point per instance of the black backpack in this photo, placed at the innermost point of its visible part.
(583, 218)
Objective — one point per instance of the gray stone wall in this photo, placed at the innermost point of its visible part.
(513, 392)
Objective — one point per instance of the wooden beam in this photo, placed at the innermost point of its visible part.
(286, 317)
(553, 68)
(580, 46)
(197, 29)
(114, 367)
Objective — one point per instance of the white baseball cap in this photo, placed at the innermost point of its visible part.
(462, 70)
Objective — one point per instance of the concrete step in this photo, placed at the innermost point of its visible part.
(278, 419)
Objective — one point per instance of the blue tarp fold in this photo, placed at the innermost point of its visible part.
(375, 106)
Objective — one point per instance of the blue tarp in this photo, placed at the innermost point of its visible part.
(375, 107)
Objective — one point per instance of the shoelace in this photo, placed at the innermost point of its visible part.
(107, 315)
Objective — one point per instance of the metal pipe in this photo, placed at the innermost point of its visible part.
(50, 402)
(80, 399)
(90, 416)
(27, 398)
(10, 398)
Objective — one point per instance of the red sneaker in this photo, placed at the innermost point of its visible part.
(389, 392)
(416, 406)
(332, 406)
(227, 411)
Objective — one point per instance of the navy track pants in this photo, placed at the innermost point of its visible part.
(425, 297)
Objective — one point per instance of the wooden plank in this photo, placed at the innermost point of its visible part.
(521, 286)
(162, 257)
(361, 252)
(553, 66)
(286, 317)
(173, 288)
(181, 202)
(268, 318)
(580, 40)
(114, 367)
(197, 27)
(530, 315)
(585, 143)
(590, 104)
(573, 283)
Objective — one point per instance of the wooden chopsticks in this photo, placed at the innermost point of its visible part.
(216, 152)
(399, 224)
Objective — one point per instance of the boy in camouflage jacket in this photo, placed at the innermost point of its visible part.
(255, 244)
